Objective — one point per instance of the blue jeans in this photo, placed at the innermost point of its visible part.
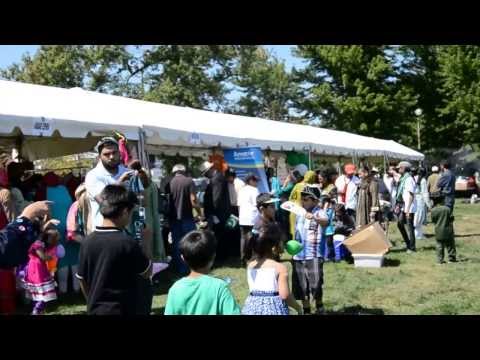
(179, 229)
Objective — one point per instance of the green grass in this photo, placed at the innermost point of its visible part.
(408, 284)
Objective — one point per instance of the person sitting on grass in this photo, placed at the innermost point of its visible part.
(307, 277)
(442, 218)
(267, 278)
(111, 262)
(198, 293)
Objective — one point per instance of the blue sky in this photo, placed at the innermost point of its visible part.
(13, 53)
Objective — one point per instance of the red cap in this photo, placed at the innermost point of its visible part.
(350, 169)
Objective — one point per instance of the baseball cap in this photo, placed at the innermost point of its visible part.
(350, 169)
(103, 141)
(178, 167)
(312, 191)
(302, 169)
(266, 198)
(405, 164)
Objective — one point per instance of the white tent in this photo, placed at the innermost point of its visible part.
(77, 114)
(55, 121)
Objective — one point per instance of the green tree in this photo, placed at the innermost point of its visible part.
(90, 67)
(355, 88)
(266, 89)
(459, 71)
(189, 75)
(446, 79)
(183, 75)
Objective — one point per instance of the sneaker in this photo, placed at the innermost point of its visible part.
(452, 261)
(440, 262)
(409, 251)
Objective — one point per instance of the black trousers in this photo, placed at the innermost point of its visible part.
(245, 250)
(352, 214)
(234, 237)
(407, 229)
(449, 244)
(222, 242)
(144, 296)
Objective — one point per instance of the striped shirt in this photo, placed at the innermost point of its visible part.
(309, 233)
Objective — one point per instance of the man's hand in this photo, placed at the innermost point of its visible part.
(126, 176)
(38, 209)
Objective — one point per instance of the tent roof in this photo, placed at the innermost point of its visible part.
(76, 113)
(67, 111)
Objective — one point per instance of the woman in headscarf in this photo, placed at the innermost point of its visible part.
(310, 177)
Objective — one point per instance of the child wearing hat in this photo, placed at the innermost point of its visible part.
(307, 277)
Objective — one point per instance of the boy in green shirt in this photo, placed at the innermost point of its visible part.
(198, 293)
(443, 219)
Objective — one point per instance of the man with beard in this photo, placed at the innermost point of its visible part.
(109, 171)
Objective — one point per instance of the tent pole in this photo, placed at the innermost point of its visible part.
(310, 158)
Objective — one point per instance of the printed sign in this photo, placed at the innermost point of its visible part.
(195, 139)
(246, 161)
(42, 127)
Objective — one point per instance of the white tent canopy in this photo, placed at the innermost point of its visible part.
(75, 113)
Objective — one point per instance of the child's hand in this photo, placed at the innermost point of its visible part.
(309, 216)
(53, 222)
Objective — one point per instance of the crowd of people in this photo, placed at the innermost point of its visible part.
(102, 234)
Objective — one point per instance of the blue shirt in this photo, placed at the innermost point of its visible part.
(310, 234)
(330, 229)
(95, 182)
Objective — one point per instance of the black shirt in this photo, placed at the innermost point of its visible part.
(110, 263)
(217, 197)
(181, 187)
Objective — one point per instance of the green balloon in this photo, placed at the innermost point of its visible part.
(293, 247)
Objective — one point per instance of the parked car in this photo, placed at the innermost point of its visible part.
(466, 183)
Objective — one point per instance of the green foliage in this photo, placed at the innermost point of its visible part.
(355, 88)
(267, 89)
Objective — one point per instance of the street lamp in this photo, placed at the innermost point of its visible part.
(418, 113)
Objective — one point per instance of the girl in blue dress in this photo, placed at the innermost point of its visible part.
(268, 279)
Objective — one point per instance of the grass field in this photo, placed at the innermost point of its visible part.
(407, 284)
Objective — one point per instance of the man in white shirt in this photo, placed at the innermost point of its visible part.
(390, 179)
(108, 171)
(347, 185)
(407, 205)
(247, 202)
(234, 186)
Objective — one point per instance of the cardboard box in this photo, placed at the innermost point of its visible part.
(368, 260)
(369, 239)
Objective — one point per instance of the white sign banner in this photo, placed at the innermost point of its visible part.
(43, 127)
(195, 139)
